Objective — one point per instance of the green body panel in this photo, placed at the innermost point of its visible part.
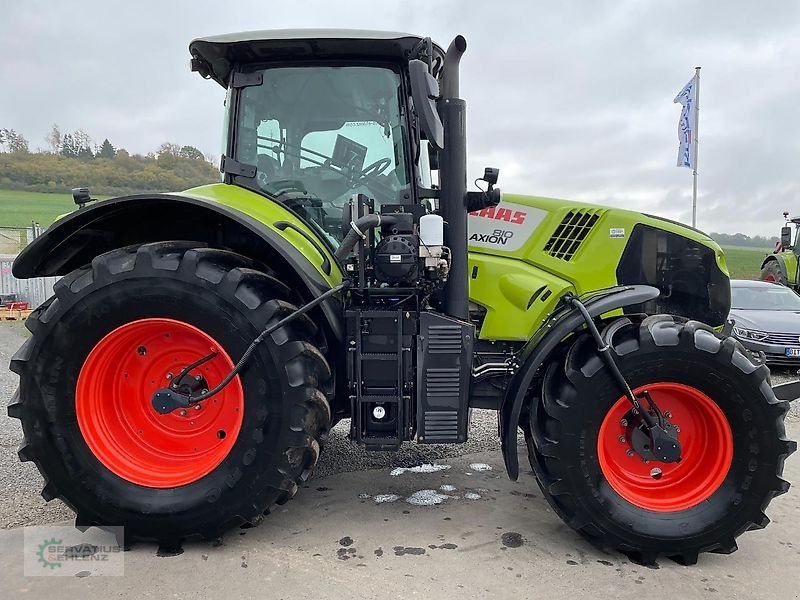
(790, 261)
(501, 276)
(268, 212)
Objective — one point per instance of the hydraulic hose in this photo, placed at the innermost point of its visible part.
(166, 400)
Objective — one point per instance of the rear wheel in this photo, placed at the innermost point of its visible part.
(125, 326)
(584, 451)
(772, 271)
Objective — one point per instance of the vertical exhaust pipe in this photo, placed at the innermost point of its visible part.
(453, 181)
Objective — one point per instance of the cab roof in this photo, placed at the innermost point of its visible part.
(216, 56)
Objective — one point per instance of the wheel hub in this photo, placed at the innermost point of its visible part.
(638, 437)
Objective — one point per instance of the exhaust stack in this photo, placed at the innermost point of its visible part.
(453, 181)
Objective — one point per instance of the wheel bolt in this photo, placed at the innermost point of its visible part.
(622, 439)
(170, 375)
(624, 422)
(184, 412)
(656, 473)
(629, 452)
(198, 407)
(198, 377)
(677, 429)
(668, 415)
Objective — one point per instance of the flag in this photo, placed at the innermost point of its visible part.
(687, 128)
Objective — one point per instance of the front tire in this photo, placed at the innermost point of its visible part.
(121, 328)
(731, 430)
(772, 271)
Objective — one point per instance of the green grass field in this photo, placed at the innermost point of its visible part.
(19, 209)
(744, 263)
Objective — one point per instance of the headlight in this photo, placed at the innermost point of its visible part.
(749, 334)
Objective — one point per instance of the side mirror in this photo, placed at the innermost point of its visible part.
(786, 238)
(424, 91)
(81, 196)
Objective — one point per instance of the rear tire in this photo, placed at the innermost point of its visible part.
(285, 411)
(772, 271)
(568, 457)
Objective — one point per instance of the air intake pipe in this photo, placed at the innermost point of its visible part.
(453, 181)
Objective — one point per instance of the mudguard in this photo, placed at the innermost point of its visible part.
(269, 233)
(536, 351)
(781, 260)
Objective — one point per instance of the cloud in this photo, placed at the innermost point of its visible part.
(569, 99)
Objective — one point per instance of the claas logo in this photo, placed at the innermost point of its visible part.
(501, 214)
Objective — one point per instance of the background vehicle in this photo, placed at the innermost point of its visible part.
(184, 376)
(782, 266)
(767, 317)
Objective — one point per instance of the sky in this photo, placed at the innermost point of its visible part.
(569, 99)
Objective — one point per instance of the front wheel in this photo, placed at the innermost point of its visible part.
(588, 458)
(772, 271)
(127, 325)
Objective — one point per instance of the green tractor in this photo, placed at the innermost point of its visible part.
(200, 345)
(781, 266)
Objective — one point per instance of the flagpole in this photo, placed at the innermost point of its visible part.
(696, 143)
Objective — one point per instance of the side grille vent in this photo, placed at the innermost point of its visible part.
(571, 232)
(445, 339)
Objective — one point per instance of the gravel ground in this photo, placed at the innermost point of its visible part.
(20, 483)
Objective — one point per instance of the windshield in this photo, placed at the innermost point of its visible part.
(764, 298)
(319, 135)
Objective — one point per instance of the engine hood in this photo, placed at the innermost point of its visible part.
(772, 321)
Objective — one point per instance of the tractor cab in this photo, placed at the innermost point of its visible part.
(315, 117)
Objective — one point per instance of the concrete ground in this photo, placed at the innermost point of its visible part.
(489, 537)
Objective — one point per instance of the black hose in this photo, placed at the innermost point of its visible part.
(358, 231)
(611, 365)
(179, 400)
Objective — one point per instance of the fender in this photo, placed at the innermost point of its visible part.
(77, 238)
(781, 260)
(563, 322)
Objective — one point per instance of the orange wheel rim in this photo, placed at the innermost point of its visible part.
(120, 425)
(706, 451)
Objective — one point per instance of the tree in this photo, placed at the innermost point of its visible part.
(169, 149)
(83, 144)
(53, 139)
(15, 142)
(68, 146)
(191, 152)
(85, 153)
(106, 150)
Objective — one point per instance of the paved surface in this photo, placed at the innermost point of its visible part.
(331, 543)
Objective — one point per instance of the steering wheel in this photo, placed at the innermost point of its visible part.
(376, 168)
